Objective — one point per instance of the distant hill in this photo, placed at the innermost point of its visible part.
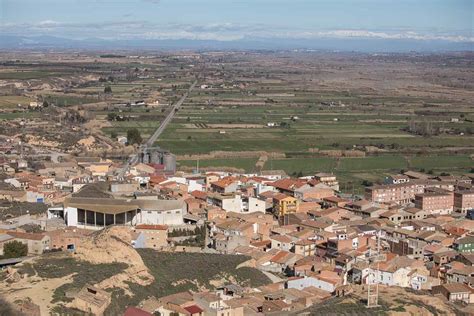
(347, 44)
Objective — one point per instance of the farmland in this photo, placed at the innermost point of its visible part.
(357, 115)
(278, 106)
(351, 171)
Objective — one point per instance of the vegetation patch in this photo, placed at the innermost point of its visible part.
(178, 272)
(58, 265)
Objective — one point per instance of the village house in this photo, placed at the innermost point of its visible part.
(465, 244)
(335, 201)
(459, 273)
(280, 261)
(37, 243)
(281, 242)
(154, 236)
(228, 202)
(328, 179)
(212, 304)
(178, 304)
(455, 292)
(93, 300)
(289, 186)
(225, 185)
(305, 247)
(69, 238)
(317, 192)
(325, 281)
(4, 239)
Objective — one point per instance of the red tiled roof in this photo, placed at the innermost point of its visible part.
(22, 235)
(133, 311)
(224, 182)
(281, 196)
(288, 184)
(335, 199)
(281, 257)
(268, 194)
(199, 194)
(194, 309)
(157, 179)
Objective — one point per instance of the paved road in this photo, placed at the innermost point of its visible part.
(149, 143)
(169, 117)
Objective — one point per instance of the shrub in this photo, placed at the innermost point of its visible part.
(14, 249)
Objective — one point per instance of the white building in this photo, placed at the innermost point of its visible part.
(96, 213)
(307, 281)
(253, 205)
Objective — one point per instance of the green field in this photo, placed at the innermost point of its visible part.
(68, 100)
(196, 129)
(442, 162)
(25, 75)
(248, 164)
(350, 171)
(309, 165)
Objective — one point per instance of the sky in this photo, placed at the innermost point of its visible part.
(226, 20)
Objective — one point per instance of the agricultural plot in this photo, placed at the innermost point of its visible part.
(25, 75)
(11, 102)
(247, 164)
(353, 173)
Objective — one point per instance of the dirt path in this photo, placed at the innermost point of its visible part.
(39, 290)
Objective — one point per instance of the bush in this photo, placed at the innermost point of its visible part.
(14, 249)
(134, 136)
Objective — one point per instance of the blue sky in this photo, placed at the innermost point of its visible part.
(450, 20)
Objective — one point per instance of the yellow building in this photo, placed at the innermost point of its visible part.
(99, 168)
(284, 204)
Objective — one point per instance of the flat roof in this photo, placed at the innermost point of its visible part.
(116, 206)
(102, 205)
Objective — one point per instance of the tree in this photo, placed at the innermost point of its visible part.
(15, 249)
(107, 89)
(134, 136)
(113, 135)
(367, 183)
(111, 116)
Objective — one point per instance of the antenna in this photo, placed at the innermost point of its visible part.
(373, 295)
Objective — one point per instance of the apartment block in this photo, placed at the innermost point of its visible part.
(435, 202)
(463, 201)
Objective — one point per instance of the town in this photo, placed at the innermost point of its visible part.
(310, 242)
(234, 158)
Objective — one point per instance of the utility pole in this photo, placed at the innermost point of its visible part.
(373, 290)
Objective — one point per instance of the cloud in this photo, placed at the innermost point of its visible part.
(136, 29)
